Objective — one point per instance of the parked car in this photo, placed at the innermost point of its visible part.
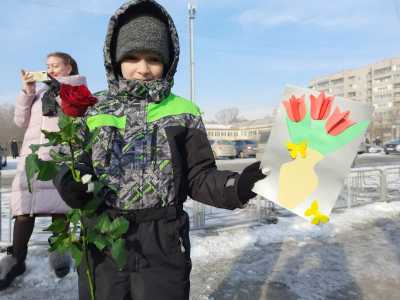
(375, 149)
(245, 148)
(364, 148)
(3, 158)
(223, 149)
(392, 147)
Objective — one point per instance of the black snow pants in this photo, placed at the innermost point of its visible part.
(158, 262)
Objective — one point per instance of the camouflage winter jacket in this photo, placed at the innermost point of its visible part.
(152, 148)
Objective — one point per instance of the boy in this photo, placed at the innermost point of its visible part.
(152, 153)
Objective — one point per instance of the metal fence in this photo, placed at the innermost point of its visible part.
(362, 186)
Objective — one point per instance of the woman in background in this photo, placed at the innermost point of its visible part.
(37, 109)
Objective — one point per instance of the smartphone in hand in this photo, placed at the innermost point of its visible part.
(39, 76)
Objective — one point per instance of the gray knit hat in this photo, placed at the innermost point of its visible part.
(143, 33)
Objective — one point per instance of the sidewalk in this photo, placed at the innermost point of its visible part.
(356, 256)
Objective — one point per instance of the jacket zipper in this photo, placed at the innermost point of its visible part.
(144, 149)
(153, 156)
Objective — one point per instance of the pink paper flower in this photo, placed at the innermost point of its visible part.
(295, 108)
(321, 106)
(338, 122)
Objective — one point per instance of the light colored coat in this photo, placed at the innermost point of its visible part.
(44, 199)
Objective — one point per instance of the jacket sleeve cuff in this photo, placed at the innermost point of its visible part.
(231, 192)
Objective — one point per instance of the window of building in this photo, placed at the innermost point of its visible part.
(352, 86)
(323, 84)
(382, 71)
(383, 79)
(337, 81)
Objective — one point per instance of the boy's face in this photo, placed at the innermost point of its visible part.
(143, 66)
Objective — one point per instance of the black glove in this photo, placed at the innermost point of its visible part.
(250, 175)
(75, 194)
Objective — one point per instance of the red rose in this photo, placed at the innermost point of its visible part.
(75, 99)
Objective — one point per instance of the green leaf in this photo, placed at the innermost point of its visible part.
(57, 243)
(118, 227)
(92, 139)
(75, 216)
(92, 206)
(118, 252)
(101, 242)
(66, 243)
(59, 157)
(68, 132)
(98, 239)
(103, 223)
(57, 226)
(63, 121)
(76, 253)
(35, 147)
(47, 170)
(98, 186)
(53, 137)
(91, 235)
(31, 168)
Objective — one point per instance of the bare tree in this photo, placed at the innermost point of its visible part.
(227, 115)
(8, 129)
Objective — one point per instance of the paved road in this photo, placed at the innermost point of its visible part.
(360, 264)
(371, 160)
(363, 263)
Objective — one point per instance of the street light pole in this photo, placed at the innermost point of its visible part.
(198, 208)
(192, 14)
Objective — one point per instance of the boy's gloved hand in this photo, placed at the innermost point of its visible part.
(250, 175)
(76, 194)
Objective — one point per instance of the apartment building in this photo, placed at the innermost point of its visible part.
(256, 130)
(377, 84)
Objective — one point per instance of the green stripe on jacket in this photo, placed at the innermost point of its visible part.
(171, 106)
(106, 120)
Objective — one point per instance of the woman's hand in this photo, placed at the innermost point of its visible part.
(28, 83)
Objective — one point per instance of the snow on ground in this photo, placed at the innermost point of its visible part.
(11, 167)
(288, 228)
(355, 256)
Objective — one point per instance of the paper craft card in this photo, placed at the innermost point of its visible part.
(312, 145)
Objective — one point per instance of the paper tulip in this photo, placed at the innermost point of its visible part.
(295, 108)
(338, 122)
(320, 106)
